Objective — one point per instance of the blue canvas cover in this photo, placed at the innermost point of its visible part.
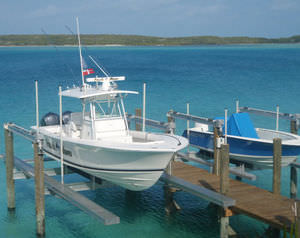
(240, 124)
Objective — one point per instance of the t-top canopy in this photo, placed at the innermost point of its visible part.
(92, 92)
(103, 79)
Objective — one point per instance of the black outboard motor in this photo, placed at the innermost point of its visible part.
(66, 117)
(50, 119)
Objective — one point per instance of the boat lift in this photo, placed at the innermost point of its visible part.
(238, 171)
(52, 186)
(70, 193)
(45, 184)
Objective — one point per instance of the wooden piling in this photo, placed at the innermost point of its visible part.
(224, 189)
(172, 126)
(216, 166)
(39, 190)
(10, 184)
(170, 204)
(293, 182)
(138, 113)
(276, 165)
(297, 227)
(294, 129)
(224, 225)
(224, 169)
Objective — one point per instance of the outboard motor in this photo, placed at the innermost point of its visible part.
(66, 117)
(50, 119)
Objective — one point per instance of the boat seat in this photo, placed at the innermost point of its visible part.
(71, 130)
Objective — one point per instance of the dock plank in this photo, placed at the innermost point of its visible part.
(275, 210)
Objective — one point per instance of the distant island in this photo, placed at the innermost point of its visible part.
(136, 40)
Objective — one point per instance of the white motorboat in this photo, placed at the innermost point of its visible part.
(98, 139)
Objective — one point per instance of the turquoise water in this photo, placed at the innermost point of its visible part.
(210, 78)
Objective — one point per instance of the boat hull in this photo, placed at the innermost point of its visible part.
(131, 169)
(246, 150)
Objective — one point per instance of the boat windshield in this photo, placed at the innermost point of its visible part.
(107, 108)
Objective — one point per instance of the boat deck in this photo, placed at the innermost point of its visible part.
(275, 210)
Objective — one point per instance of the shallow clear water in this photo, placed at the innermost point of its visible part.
(210, 78)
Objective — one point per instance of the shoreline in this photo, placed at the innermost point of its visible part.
(158, 45)
(111, 40)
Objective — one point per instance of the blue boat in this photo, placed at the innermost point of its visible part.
(246, 144)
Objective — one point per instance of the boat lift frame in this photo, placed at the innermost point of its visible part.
(189, 156)
(69, 192)
(43, 180)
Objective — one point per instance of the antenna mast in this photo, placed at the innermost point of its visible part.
(81, 66)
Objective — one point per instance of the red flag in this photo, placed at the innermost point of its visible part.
(88, 71)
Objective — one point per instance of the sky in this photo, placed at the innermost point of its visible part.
(166, 18)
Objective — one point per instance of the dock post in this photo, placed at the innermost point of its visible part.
(216, 166)
(293, 178)
(297, 227)
(275, 232)
(294, 129)
(170, 203)
(276, 165)
(224, 189)
(224, 169)
(172, 125)
(293, 183)
(10, 184)
(170, 130)
(138, 113)
(39, 190)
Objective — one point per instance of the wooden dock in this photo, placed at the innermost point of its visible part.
(275, 210)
